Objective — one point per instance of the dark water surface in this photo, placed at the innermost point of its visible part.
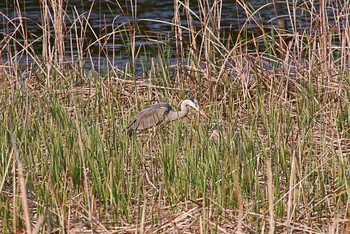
(106, 16)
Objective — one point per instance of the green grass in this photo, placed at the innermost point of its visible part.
(273, 154)
(79, 163)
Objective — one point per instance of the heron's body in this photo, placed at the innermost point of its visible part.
(158, 114)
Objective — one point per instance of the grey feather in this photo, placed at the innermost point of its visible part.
(149, 117)
(158, 114)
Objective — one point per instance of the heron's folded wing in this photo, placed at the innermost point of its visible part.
(151, 116)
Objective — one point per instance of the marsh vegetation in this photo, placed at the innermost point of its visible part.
(272, 156)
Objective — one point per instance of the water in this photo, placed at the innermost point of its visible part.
(106, 16)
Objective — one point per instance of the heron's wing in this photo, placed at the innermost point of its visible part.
(150, 117)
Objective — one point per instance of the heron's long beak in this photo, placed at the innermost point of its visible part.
(201, 112)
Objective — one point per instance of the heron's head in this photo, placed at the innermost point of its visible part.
(195, 105)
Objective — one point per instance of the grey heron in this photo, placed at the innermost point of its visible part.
(160, 113)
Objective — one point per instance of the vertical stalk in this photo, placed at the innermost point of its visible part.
(178, 39)
(59, 29)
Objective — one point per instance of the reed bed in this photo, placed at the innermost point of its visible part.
(273, 156)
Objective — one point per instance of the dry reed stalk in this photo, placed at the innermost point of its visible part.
(14, 191)
(271, 198)
(290, 203)
(6, 172)
(178, 40)
(22, 28)
(143, 215)
(78, 23)
(46, 44)
(24, 197)
(205, 46)
(192, 32)
(59, 25)
(132, 37)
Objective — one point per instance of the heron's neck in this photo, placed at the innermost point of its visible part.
(173, 115)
